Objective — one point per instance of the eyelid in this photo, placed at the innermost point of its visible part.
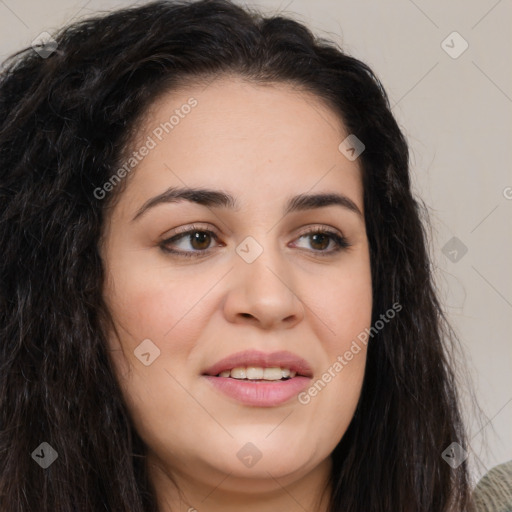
(319, 227)
(190, 227)
(193, 227)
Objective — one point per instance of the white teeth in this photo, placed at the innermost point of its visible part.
(258, 373)
(272, 374)
(238, 373)
(255, 373)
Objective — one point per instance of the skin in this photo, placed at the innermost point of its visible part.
(262, 144)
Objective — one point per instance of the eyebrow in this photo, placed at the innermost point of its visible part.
(220, 199)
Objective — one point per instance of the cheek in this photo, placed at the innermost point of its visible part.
(155, 304)
(342, 304)
(343, 311)
(155, 309)
(172, 312)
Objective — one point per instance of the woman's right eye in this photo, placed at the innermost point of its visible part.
(198, 239)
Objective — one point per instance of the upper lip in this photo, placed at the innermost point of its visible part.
(283, 359)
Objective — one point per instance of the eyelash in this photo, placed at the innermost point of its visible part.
(341, 242)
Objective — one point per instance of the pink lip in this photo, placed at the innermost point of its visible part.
(281, 359)
(260, 394)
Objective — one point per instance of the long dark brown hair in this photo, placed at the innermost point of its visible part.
(65, 121)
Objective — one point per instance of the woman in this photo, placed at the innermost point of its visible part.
(215, 288)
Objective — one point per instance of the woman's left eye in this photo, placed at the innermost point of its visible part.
(200, 239)
(323, 238)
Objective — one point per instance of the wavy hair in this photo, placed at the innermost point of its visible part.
(65, 121)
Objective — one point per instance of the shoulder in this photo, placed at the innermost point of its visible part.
(493, 493)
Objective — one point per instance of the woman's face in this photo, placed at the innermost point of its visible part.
(248, 277)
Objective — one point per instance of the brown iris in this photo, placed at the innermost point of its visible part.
(314, 238)
(199, 238)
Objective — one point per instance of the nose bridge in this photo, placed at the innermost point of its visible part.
(264, 283)
(263, 251)
(263, 264)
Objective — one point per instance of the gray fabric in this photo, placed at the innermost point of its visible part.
(494, 491)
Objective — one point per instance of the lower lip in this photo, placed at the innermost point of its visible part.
(260, 394)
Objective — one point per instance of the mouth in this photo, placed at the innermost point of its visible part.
(258, 379)
(258, 373)
(256, 365)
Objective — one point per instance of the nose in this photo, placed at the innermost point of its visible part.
(263, 293)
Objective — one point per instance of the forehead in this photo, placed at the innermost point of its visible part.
(267, 140)
(247, 104)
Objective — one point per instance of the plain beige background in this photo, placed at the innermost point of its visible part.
(456, 111)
